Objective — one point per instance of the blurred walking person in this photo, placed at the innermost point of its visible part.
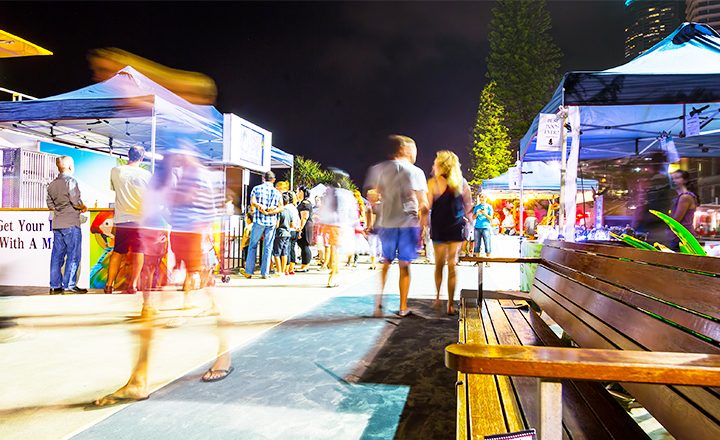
(63, 200)
(129, 183)
(402, 187)
(449, 200)
(372, 228)
(266, 201)
(338, 220)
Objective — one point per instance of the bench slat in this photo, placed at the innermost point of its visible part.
(687, 289)
(579, 419)
(501, 259)
(586, 364)
(515, 418)
(689, 320)
(649, 332)
(675, 260)
(663, 402)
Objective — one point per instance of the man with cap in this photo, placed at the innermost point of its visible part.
(265, 201)
(129, 183)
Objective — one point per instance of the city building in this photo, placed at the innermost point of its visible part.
(649, 21)
(704, 11)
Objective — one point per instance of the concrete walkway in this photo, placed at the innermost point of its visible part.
(73, 349)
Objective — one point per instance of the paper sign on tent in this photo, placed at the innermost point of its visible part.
(692, 125)
(549, 136)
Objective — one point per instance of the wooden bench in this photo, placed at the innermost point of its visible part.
(607, 298)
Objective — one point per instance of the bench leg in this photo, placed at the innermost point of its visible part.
(550, 409)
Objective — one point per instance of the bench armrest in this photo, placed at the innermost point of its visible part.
(501, 260)
(695, 369)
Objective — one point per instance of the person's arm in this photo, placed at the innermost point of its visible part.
(683, 205)
(75, 199)
(485, 212)
(430, 192)
(49, 201)
(467, 198)
(304, 217)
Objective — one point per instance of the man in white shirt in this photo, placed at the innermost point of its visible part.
(129, 183)
(402, 188)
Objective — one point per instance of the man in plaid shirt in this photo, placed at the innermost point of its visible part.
(265, 201)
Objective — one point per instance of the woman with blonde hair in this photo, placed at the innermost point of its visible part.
(450, 201)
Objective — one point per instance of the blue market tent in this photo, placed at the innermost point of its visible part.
(626, 110)
(127, 109)
(537, 176)
(280, 159)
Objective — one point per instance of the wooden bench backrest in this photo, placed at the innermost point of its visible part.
(613, 297)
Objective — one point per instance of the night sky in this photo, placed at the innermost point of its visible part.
(330, 80)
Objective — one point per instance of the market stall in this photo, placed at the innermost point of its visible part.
(95, 125)
(667, 99)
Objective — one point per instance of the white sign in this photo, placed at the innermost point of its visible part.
(692, 125)
(26, 246)
(549, 135)
(514, 178)
(245, 144)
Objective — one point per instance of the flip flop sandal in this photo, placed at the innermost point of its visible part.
(225, 373)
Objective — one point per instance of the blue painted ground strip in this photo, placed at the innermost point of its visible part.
(287, 384)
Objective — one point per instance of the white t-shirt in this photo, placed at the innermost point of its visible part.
(129, 184)
(294, 216)
(397, 182)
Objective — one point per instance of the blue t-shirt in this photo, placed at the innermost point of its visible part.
(481, 222)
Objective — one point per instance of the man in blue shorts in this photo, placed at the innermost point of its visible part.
(402, 189)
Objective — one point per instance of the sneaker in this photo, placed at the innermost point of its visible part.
(76, 289)
(56, 291)
(245, 274)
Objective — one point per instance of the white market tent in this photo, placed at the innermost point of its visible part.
(636, 108)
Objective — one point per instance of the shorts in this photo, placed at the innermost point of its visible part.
(188, 247)
(400, 243)
(154, 241)
(282, 246)
(332, 235)
(128, 238)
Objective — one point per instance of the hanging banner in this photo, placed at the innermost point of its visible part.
(549, 132)
(599, 211)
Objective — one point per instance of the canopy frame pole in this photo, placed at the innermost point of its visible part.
(153, 140)
(563, 166)
(292, 178)
(522, 207)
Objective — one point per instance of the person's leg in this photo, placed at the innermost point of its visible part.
(486, 234)
(136, 259)
(404, 286)
(136, 387)
(440, 250)
(74, 249)
(478, 242)
(408, 239)
(113, 269)
(57, 258)
(269, 236)
(452, 257)
(333, 262)
(255, 233)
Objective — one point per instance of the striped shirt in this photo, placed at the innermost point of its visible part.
(196, 200)
(268, 197)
